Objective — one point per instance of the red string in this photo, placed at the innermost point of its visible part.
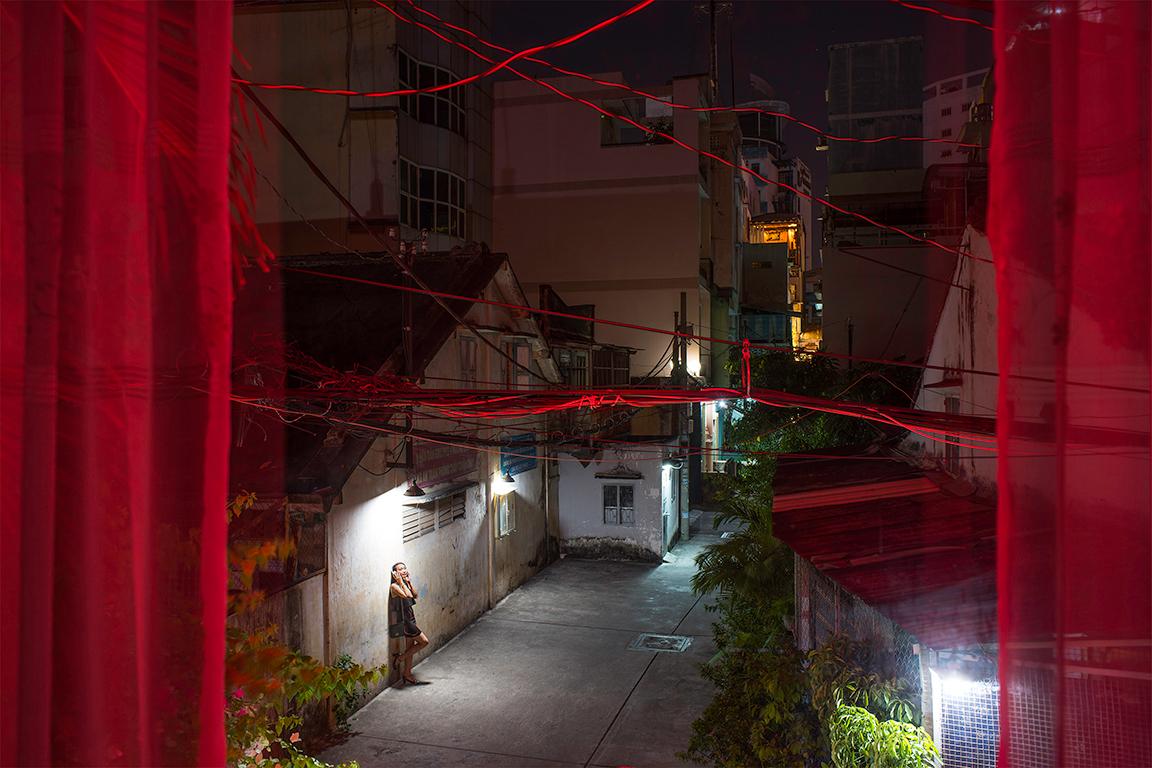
(684, 145)
(926, 9)
(746, 371)
(463, 81)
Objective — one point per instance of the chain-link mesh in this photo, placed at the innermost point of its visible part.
(824, 609)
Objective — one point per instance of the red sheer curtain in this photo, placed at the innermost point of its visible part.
(116, 328)
(1069, 221)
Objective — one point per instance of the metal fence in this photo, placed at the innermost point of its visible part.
(824, 609)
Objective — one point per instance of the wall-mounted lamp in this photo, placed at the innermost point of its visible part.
(672, 462)
(721, 404)
(414, 490)
(506, 484)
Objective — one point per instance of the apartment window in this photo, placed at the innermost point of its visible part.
(951, 86)
(755, 167)
(946, 111)
(945, 154)
(505, 515)
(965, 106)
(618, 504)
(573, 366)
(422, 519)
(946, 132)
(516, 377)
(650, 114)
(467, 360)
(609, 367)
(444, 108)
(431, 199)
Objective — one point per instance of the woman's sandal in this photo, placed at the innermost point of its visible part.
(414, 681)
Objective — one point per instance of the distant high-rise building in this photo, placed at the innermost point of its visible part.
(874, 89)
(947, 104)
(881, 291)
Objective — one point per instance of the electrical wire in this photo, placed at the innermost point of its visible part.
(684, 145)
(316, 171)
(941, 14)
(496, 67)
(714, 340)
(687, 107)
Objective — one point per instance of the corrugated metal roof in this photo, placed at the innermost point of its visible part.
(917, 546)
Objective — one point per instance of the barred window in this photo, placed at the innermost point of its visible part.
(619, 508)
(573, 366)
(431, 199)
(443, 108)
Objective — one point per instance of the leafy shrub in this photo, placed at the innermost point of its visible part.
(266, 682)
(903, 745)
(852, 731)
(759, 716)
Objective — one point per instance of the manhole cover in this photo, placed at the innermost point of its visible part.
(660, 643)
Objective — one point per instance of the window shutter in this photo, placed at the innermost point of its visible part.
(450, 510)
(418, 520)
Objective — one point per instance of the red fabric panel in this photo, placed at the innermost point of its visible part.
(116, 333)
(1069, 224)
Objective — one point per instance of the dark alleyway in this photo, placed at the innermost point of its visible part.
(547, 678)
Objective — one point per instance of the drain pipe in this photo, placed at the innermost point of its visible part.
(491, 505)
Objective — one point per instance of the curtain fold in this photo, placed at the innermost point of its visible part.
(116, 296)
(1069, 224)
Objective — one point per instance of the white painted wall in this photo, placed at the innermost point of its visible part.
(965, 337)
(937, 124)
(582, 499)
(461, 570)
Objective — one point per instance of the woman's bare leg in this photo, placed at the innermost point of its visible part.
(414, 646)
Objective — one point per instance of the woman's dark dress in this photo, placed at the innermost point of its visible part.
(401, 617)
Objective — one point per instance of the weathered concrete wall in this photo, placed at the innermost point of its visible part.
(524, 551)
(582, 510)
(297, 613)
(449, 569)
(459, 570)
(893, 313)
(965, 338)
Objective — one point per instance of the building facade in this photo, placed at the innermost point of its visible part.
(418, 172)
(608, 214)
(420, 163)
(947, 108)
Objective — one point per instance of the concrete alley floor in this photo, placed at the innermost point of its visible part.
(546, 678)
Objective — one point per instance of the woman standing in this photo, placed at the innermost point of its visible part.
(402, 623)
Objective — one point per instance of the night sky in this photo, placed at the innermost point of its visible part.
(785, 43)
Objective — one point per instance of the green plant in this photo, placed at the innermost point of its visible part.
(759, 716)
(349, 701)
(267, 683)
(903, 745)
(841, 675)
(852, 731)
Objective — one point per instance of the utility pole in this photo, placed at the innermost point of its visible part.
(849, 342)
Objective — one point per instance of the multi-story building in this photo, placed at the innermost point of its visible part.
(419, 163)
(780, 243)
(947, 108)
(874, 89)
(608, 214)
(417, 170)
(882, 291)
